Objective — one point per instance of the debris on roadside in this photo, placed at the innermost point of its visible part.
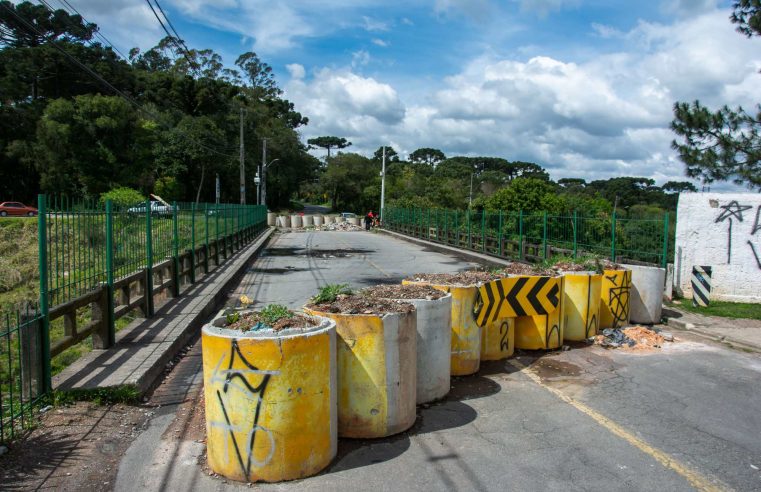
(339, 226)
(632, 338)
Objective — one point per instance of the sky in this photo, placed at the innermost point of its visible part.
(583, 88)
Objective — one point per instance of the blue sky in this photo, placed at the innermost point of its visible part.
(584, 88)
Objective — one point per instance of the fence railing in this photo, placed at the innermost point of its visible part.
(538, 236)
(99, 262)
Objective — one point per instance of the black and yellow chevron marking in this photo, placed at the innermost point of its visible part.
(516, 296)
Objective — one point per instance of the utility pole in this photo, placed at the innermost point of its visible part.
(383, 184)
(242, 164)
(262, 170)
(217, 190)
(470, 197)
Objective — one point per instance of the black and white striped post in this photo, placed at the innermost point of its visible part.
(701, 285)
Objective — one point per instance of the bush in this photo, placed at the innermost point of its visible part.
(122, 196)
(168, 188)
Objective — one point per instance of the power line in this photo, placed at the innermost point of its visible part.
(97, 32)
(98, 77)
(178, 43)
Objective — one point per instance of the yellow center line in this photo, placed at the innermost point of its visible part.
(695, 478)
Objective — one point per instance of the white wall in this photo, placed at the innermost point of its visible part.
(703, 239)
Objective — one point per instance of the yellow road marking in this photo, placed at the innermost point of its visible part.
(695, 478)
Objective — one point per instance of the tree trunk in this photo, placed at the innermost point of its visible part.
(200, 185)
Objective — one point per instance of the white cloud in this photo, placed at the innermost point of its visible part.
(370, 24)
(296, 70)
(594, 119)
(380, 42)
(360, 58)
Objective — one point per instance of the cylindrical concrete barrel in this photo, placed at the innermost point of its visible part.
(318, 220)
(270, 399)
(498, 339)
(271, 218)
(466, 334)
(295, 221)
(581, 307)
(646, 296)
(285, 220)
(307, 221)
(354, 221)
(377, 373)
(434, 342)
(615, 298)
(340, 219)
(328, 219)
(541, 331)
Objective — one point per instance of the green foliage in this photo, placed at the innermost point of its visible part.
(122, 196)
(427, 156)
(527, 194)
(272, 313)
(722, 309)
(233, 317)
(168, 188)
(100, 396)
(330, 293)
(329, 142)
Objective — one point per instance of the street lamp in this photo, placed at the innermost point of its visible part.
(264, 180)
(256, 181)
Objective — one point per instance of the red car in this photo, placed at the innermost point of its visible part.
(16, 208)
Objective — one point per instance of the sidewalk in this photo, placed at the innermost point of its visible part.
(145, 346)
(743, 333)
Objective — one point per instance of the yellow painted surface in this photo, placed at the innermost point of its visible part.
(363, 390)
(498, 339)
(543, 331)
(614, 298)
(466, 334)
(581, 306)
(269, 406)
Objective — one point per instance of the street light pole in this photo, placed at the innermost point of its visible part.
(242, 164)
(470, 197)
(383, 185)
(259, 198)
(264, 180)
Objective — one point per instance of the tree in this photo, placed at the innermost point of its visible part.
(527, 194)
(722, 145)
(678, 187)
(329, 143)
(428, 156)
(391, 155)
(258, 73)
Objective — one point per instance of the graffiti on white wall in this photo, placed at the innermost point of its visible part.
(720, 231)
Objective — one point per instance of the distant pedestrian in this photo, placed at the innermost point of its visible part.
(369, 218)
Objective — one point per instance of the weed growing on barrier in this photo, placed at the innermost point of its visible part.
(330, 293)
(274, 313)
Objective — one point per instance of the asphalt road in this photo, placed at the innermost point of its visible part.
(682, 418)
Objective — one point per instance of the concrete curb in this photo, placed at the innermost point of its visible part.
(444, 248)
(146, 346)
(693, 328)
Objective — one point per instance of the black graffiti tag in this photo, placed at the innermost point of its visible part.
(730, 211)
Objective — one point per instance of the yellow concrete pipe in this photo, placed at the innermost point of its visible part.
(541, 331)
(466, 334)
(581, 306)
(377, 373)
(614, 298)
(498, 339)
(270, 401)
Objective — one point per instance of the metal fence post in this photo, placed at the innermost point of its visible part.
(175, 251)
(544, 236)
(193, 243)
(664, 262)
(499, 234)
(470, 240)
(148, 261)
(110, 321)
(206, 238)
(483, 230)
(613, 238)
(520, 234)
(42, 244)
(428, 227)
(575, 237)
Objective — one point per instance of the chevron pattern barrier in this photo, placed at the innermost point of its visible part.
(701, 285)
(516, 296)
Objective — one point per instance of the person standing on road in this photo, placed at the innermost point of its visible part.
(369, 220)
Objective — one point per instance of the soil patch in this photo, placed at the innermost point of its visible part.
(470, 277)
(360, 304)
(633, 338)
(255, 321)
(516, 268)
(411, 291)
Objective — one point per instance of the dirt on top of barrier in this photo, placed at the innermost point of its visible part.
(516, 268)
(255, 321)
(409, 291)
(361, 304)
(470, 277)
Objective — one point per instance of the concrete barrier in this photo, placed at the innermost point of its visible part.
(284, 221)
(307, 221)
(354, 221)
(318, 220)
(498, 339)
(271, 218)
(296, 221)
(329, 219)
(615, 298)
(581, 305)
(466, 334)
(434, 342)
(541, 331)
(270, 401)
(646, 296)
(377, 373)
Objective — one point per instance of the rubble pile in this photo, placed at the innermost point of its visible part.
(632, 338)
(339, 226)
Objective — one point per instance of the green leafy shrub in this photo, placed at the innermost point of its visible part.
(168, 188)
(122, 196)
(330, 293)
(275, 312)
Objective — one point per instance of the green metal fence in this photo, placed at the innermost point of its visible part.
(99, 262)
(540, 235)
